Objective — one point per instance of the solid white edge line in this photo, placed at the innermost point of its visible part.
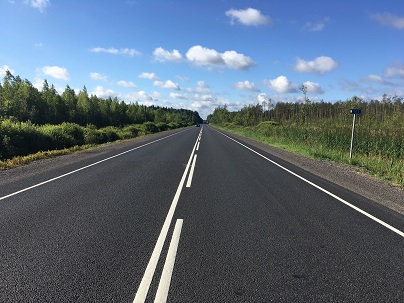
(191, 172)
(84, 167)
(397, 231)
(165, 280)
(144, 285)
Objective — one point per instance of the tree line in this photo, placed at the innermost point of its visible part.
(389, 110)
(22, 101)
(33, 121)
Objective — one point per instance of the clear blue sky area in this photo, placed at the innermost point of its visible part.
(203, 54)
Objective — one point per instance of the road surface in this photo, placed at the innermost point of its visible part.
(193, 216)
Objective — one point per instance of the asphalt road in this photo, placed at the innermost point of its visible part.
(193, 216)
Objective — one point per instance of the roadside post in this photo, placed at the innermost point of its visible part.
(354, 112)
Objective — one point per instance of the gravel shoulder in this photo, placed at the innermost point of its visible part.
(343, 175)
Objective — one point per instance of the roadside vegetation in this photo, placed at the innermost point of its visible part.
(323, 130)
(39, 124)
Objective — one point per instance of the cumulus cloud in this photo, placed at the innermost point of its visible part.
(41, 5)
(387, 19)
(167, 84)
(203, 56)
(4, 69)
(319, 65)
(141, 96)
(162, 55)
(149, 76)
(102, 92)
(123, 51)
(246, 85)
(202, 87)
(56, 72)
(373, 78)
(144, 96)
(394, 71)
(282, 85)
(249, 17)
(178, 96)
(237, 61)
(313, 88)
(98, 76)
(128, 84)
(205, 98)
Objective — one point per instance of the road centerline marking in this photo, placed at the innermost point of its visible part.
(397, 231)
(191, 172)
(165, 280)
(144, 285)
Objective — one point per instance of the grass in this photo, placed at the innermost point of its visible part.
(23, 160)
(388, 169)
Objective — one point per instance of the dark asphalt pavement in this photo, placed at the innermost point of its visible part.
(252, 232)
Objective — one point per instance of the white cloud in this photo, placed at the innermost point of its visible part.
(149, 76)
(205, 98)
(395, 71)
(162, 55)
(56, 72)
(313, 88)
(282, 85)
(319, 65)
(374, 78)
(123, 51)
(389, 20)
(249, 16)
(246, 85)
(168, 84)
(4, 69)
(178, 96)
(102, 92)
(202, 87)
(41, 5)
(203, 56)
(144, 96)
(237, 61)
(128, 84)
(98, 76)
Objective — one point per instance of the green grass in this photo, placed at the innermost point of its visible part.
(388, 169)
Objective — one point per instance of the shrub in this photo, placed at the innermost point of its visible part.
(150, 128)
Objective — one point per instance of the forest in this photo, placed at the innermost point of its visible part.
(32, 120)
(323, 130)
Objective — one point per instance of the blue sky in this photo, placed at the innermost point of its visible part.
(203, 54)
